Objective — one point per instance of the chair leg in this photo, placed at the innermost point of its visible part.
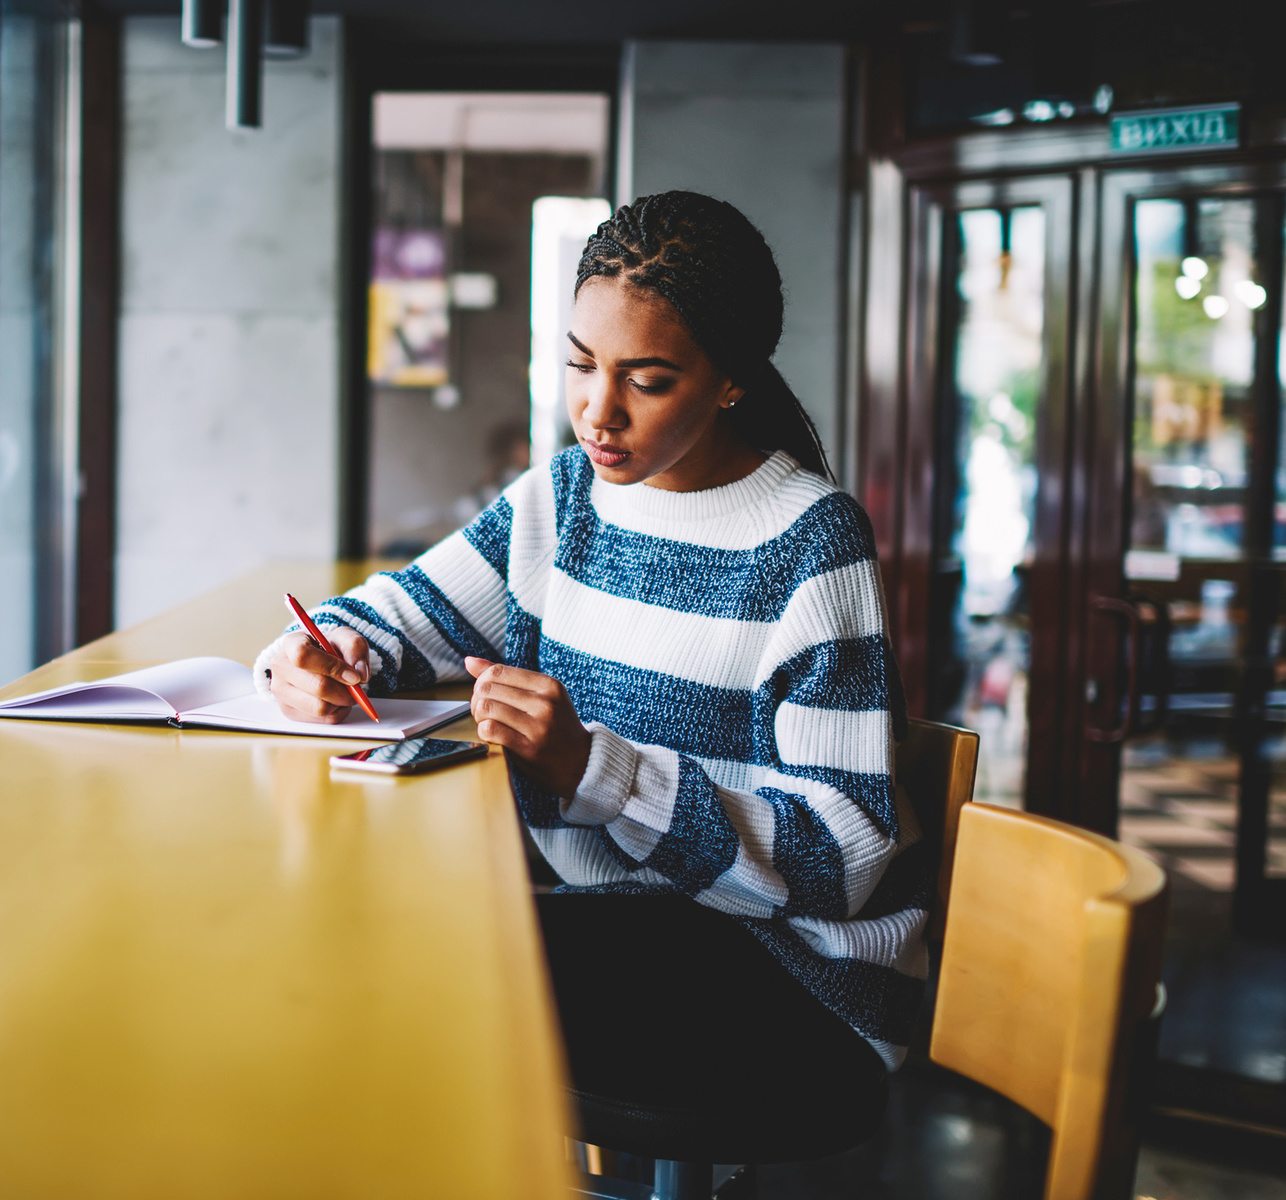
(682, 1180)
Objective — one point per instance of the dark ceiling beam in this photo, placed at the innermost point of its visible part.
(555, 22)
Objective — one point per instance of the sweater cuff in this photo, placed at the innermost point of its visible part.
(260, 669)
(607, 782)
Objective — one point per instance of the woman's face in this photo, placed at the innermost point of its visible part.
(644, 399)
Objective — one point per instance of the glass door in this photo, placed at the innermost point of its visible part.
(997, 612)
(996, 260)
(1090, 539)
(1187, 687)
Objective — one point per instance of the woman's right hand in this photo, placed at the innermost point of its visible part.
(309, 685)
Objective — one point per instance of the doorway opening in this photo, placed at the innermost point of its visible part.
(468, 253)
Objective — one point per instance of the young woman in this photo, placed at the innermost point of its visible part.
(678, 635)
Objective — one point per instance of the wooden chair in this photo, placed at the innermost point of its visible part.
(1049, 983)
(1049, 976)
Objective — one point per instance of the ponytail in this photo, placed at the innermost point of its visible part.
(770, 417)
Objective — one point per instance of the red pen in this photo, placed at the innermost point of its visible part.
(316, 634)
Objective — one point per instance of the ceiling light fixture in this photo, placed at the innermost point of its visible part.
(976, 32)
(245, 64)
(286, 29)
(202, 23)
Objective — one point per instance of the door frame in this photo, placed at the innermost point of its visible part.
(376, 62)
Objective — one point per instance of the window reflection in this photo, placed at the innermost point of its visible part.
(1196, 298)
(998, 362)
(1191, 775)
(995, 393)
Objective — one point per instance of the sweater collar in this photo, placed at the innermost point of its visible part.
(614, 500)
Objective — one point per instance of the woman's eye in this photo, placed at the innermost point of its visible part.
(583, 368)
(651, 387)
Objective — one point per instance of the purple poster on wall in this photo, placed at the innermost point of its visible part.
(409, 315)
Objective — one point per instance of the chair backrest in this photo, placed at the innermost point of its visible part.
(937, 764)
(1050, 972)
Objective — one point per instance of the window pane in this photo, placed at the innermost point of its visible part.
(1196, 298)
(995, 390)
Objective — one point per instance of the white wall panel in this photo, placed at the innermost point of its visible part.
(229, 363)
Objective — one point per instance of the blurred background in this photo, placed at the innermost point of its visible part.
(281, 280)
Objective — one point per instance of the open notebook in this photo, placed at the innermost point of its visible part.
(219, 693)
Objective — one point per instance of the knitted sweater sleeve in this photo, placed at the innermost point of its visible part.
(813, 833)
(422, 620)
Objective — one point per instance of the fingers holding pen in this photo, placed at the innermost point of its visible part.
(309, 659)
(301, 705)
(354, 653)
(311, 685)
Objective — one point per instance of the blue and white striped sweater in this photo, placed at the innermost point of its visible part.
(727, 649)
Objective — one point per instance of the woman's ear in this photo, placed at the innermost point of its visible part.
(731, 394)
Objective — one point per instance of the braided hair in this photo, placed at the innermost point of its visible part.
(716, 271)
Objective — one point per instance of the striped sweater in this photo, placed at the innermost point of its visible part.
(727, 649)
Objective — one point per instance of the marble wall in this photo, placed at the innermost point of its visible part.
(229, 354)
(761, 126)
(229, 375)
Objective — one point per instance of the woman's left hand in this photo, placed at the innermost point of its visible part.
(532, 717)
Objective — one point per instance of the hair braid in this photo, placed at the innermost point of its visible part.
(716, 271)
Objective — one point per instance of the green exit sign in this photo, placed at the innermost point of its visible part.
(1210, 127)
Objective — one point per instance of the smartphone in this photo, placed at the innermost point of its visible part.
(409, 757)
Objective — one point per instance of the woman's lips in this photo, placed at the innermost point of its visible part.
(605, 456)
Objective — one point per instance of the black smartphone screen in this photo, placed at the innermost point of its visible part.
(414, 754)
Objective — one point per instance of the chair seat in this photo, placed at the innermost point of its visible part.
(737, 1124)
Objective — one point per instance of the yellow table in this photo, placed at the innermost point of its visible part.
(225, 974)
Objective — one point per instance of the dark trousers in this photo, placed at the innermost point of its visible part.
(663, 999)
